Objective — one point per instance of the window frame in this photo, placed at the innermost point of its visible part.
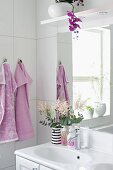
(100, 78)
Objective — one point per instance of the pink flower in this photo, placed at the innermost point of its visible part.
(73, 21)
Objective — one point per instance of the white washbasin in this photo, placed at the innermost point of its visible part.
(62, 158)
(102, 166)
(62, 155)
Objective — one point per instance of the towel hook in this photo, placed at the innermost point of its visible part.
(4, 60)
(59, 62)
(19, 61)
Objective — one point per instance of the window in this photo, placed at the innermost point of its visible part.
(91, 66)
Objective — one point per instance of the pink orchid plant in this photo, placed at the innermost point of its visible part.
(73, 21)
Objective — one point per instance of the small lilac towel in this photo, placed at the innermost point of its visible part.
(23, 118)
(7, 112)
(62, 92)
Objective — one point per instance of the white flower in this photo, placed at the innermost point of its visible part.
(45, 109)
(62, 107)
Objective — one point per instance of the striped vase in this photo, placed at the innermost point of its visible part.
(56, 136)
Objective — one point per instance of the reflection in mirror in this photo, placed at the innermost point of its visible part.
(87, 64)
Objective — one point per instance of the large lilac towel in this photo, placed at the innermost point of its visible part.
(23, 118)
(7, 113)
(62, 92)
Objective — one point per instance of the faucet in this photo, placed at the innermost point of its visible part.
(78, 146)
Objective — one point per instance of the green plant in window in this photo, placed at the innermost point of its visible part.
(89, 108)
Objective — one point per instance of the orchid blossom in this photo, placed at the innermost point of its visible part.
(73, 21)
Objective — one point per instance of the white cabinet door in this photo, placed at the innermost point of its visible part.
(24, 164)
(44, 168)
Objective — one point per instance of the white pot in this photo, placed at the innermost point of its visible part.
(100, 108)
(59, 9)
(89, 113)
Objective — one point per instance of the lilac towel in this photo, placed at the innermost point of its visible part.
(62, 92)
(7, 113)
(23, 118)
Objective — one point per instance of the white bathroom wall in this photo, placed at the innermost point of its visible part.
(46, 79)
(46, 65)
(18, 40)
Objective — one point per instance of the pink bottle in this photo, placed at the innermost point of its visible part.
(64, 136)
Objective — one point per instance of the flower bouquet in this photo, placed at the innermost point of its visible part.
(57, 116)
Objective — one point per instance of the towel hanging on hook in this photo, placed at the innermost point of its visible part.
(23, 116)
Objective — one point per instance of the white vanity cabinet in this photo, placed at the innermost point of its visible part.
(24, 164)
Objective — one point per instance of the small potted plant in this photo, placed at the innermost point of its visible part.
(49, 119)
(89, 111)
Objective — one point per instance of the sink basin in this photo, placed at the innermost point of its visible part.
(62, 158)
(62, 155)
(102, 167)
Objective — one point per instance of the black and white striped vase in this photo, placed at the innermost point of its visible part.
(56, 136)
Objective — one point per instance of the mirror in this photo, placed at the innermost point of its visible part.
(107, 129)
(87, 63)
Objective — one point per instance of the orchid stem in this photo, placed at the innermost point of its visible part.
(72, 7)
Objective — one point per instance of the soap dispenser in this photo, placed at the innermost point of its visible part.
(71, 138)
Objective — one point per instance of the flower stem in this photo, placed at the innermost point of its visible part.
(72, 7)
